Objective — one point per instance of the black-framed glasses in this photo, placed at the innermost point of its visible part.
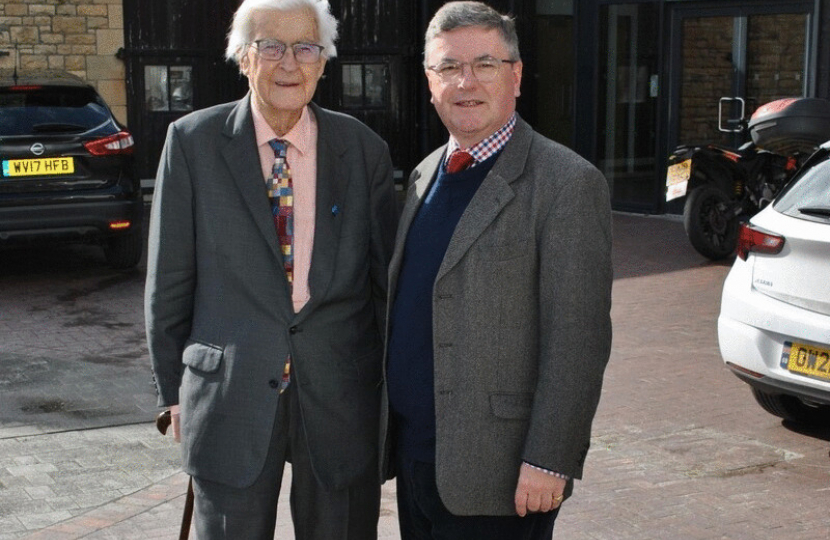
(273, 49)
(484, 69)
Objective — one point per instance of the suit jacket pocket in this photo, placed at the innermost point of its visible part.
(202, 357)
(511, 406)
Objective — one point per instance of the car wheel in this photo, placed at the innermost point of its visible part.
(124, 251)
(790, 408)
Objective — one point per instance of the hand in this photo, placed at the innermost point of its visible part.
(536, 491)
(175, 422)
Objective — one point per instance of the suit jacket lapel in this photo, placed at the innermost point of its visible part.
(332, 183)
(242, 157)
(420, 182)
(490, 198)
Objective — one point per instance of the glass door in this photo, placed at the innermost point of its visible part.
(627, 104)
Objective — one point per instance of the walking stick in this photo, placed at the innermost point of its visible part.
(163, 422)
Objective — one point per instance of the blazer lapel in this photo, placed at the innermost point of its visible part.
(490, 198)
(242, 158)
(332, 182)
(420, 182)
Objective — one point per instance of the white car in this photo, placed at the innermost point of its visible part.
(774, 324)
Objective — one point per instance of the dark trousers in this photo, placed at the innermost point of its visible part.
(226, 513)
(423, 516)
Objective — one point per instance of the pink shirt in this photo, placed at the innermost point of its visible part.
(302, 159)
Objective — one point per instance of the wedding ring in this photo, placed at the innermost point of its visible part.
(557, 500)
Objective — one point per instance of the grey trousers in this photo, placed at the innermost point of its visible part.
(222, 512)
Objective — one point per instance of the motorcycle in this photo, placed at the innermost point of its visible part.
(724, 186)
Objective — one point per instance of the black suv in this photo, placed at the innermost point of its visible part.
(67, 166)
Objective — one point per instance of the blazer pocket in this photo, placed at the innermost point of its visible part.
(201, 356)
(511, 406)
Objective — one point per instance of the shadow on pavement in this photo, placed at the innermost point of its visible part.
(647, 245)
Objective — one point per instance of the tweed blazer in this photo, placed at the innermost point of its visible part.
(521, 322)
(220, 321)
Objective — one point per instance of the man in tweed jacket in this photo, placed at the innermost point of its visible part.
(499, 324)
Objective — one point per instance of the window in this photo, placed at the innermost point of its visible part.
(168, 88)
(365, 85)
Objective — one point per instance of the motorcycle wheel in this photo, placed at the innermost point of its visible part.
(712, 232)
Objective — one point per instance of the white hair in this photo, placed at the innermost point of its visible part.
(242, 27)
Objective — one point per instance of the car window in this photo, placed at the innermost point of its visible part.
(808, 197)
(30, 111)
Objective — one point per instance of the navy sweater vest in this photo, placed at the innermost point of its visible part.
(410, 365)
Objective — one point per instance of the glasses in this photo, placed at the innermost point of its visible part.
(484, 70)
(272, 49)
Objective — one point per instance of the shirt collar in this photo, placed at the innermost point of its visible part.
(299, 136)
(490, 146)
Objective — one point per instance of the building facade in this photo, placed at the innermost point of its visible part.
(79, 36)
(621, 82)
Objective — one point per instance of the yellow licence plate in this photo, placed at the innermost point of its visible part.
(807, 360)
(38, 167)
(677, 179)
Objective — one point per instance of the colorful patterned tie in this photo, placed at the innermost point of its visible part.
(458, 161)
(282, 208)
(282, 205)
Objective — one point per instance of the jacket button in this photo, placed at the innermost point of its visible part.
(273, 384)
(293, 330)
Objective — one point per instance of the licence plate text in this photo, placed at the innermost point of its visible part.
(807, 360)
(677, 179)
(38, 167)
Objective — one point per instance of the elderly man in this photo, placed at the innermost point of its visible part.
(272, 225)
(499, 325)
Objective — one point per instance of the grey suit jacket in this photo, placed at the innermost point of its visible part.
(220, 320)
(521, 322)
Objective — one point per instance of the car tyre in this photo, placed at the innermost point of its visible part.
(124, 251)
(790, 408)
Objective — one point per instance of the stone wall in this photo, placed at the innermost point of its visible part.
(79, 36)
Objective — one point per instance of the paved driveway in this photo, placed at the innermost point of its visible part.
(680, 449)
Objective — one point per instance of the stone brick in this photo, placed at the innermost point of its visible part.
(45, 50)
(109, 41)
(75, 62)
(28, 62)
(46, 37)
(40, 9)
(116, 15)
(25, 35)
(104, 68)
(57, 62)
(80, 39)
(65, 9)
(7, 22)
(94, 23)
(82, 49)
(114, 92)
(16, 10)
(92, 10)
(69, 25)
